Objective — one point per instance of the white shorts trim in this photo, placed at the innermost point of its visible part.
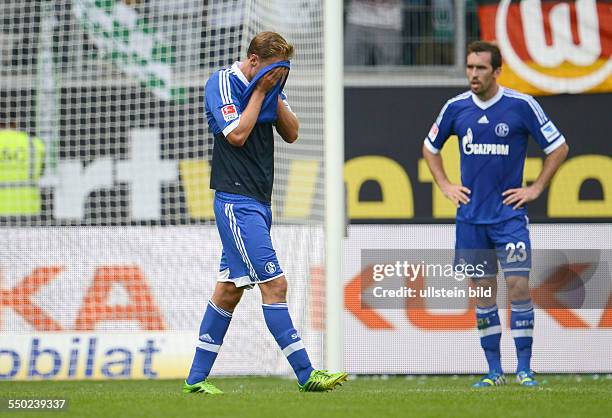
(238, 281)
(271, 278)
(484, 276)
(243, 281)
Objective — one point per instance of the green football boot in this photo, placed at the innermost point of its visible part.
(201, 387)
(525, 378)
(323, 381)
(490, 380)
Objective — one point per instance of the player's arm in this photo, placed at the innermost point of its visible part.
(238, 136)
(435, 140)
(551, 141)
(287, 123)
(518, 197)
(454, 192)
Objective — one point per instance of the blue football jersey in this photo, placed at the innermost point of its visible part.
(246, 170)
(224, 91)
(493, 144)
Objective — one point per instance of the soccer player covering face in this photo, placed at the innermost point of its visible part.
(493, 124)
(244, 103)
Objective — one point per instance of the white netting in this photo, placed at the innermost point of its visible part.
(114, 91)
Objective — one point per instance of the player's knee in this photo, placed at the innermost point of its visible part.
(274, 291)
(518, 288)
(519, 294)
(487, 294)
(227, 296)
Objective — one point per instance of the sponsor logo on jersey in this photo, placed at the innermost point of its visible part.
(470, 148)
(270, 267)
(433, 132)
(550, 132)
(483, 119)
(502, 129)
(229, 112)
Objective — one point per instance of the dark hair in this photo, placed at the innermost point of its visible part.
(483, 46)
(270, 44)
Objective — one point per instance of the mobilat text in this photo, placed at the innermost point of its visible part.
(411, 271)
(82, 358)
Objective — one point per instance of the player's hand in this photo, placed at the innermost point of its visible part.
(284, 74)
(280, 105)
(456, 193)
(520, 196)
(268, 81)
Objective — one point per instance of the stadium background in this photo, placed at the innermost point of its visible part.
(110, 278)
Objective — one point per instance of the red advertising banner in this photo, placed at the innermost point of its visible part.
(551, 47)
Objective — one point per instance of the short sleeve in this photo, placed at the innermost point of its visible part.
(441, 129)
(283, 96)
(540, 127)
(221, 103)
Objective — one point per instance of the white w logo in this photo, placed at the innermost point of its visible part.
(563, 47)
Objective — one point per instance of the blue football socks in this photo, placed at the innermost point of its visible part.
(280, 325)
(489, 329)
(521, 325)
(212, 330)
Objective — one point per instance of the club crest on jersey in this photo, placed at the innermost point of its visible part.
(470, 148)
(502, 129)
(229, 112)
(270, 267)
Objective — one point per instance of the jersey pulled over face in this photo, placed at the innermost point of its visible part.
(246, 170)
(493, 139)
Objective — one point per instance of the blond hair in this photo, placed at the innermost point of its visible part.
(270, 45)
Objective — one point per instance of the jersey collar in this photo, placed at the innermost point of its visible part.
(485, 105)
(238, 73)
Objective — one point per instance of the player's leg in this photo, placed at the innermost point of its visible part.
(278, 320)
(514, 252)
(273, 287)
(488, 323)
(233, 275)
(473, 247)
(213, 328)
(251, 223)
(522, 320)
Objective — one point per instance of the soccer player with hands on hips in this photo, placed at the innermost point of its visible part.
(493, 124)
(244, 103)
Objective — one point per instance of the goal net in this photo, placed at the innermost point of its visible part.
(109, 251)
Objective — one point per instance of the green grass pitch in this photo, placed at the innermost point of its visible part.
(434, 396)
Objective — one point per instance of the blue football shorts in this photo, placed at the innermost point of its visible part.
(248, 256)
(507, 242)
